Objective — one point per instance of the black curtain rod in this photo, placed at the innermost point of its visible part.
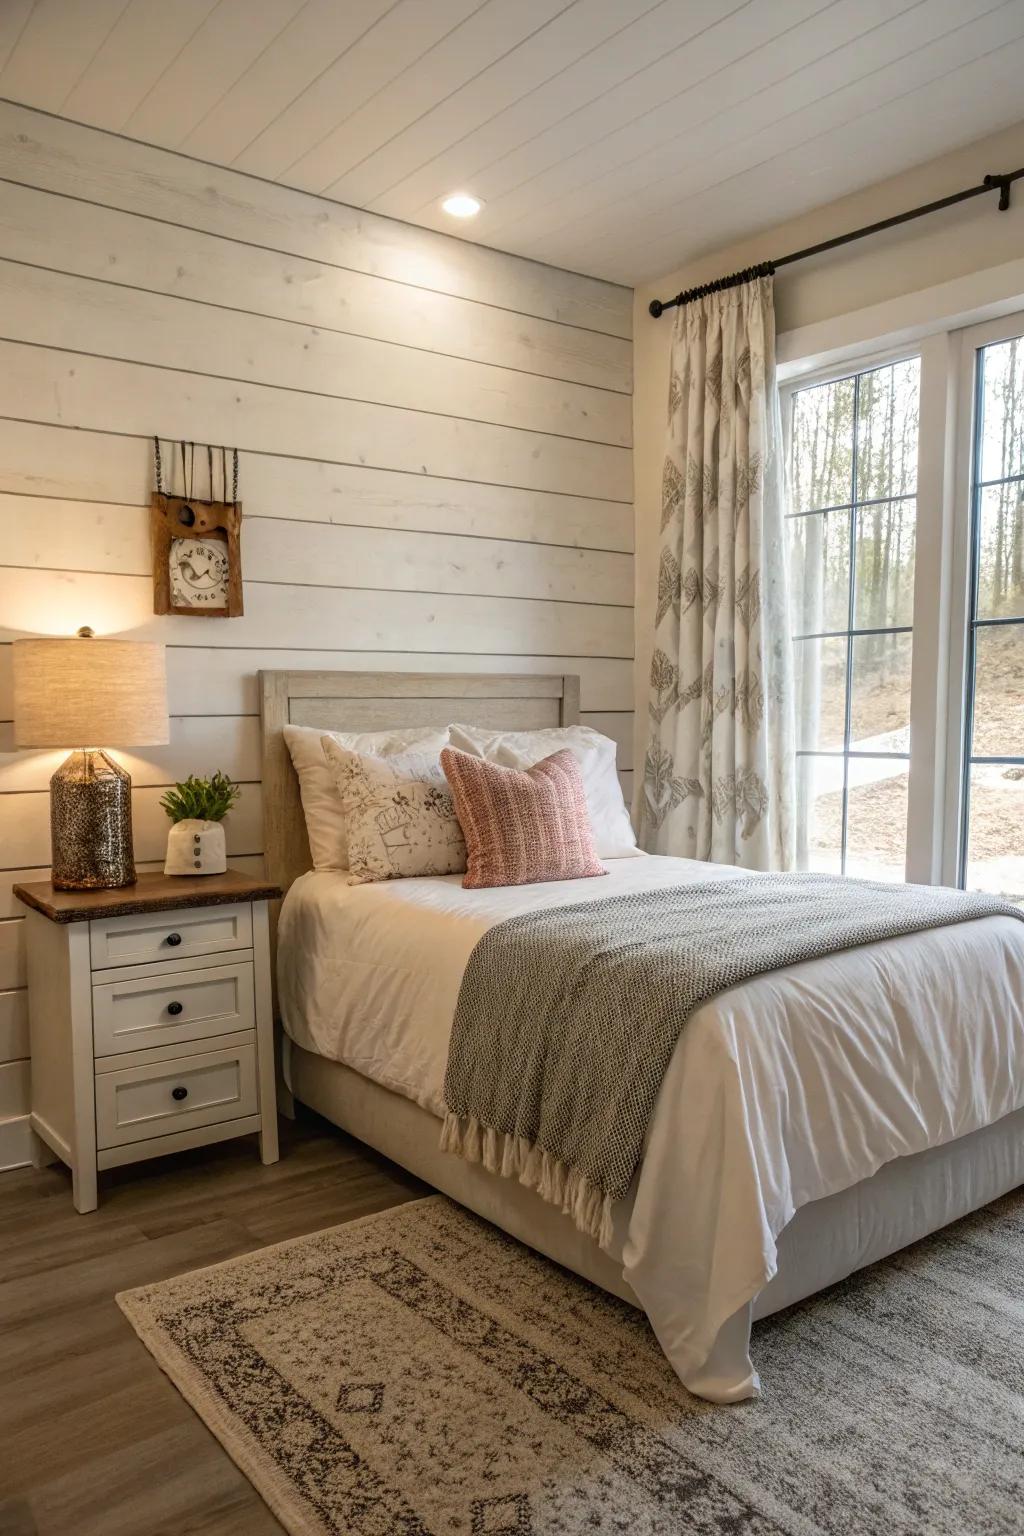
(1000, 184)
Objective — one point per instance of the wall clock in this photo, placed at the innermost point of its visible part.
(197, 566)
(199, 574)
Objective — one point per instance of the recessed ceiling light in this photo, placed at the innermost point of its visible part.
(461, 205)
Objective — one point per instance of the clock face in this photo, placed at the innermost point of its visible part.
(199, 573)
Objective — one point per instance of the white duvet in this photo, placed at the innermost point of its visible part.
(782, 1090)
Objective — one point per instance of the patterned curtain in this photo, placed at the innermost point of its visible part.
(718, 775)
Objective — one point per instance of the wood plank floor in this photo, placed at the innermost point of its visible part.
(94, 1440)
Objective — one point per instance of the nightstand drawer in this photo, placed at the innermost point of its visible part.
(151, 936)
(142, 1102)
(164, 1009)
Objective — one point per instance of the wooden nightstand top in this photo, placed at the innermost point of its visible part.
(150, 893)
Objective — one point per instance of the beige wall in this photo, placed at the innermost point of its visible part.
(435, 462)
(932, 251)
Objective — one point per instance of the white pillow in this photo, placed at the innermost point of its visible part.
(321, 804)
(595, 754)
(400, 816)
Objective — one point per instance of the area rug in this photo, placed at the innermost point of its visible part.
(417, 1373)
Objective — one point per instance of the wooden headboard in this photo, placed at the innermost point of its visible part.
(381, 701)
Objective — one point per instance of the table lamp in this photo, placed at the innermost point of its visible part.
(68, 693)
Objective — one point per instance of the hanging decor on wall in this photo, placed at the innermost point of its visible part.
(197, 560)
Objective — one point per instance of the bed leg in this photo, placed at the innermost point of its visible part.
(285, 1101)
(285, 1097)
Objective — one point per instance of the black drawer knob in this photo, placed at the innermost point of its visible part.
(174, 1009)
(179, 1094)
(174, 939)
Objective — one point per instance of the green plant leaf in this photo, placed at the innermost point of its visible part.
(201, 799)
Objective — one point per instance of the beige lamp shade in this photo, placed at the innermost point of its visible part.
(84, 692)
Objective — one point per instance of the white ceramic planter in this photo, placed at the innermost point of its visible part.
(196, 848)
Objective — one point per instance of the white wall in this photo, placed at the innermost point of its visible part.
(435, 471)
(967, 260)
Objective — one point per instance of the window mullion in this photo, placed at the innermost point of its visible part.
(930, 695)
(971, 613)
(850, 621)
(961, 432)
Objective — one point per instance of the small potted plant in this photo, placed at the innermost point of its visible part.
(197, 807)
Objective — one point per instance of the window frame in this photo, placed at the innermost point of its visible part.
(942, 670)
(971, 339)
(850, 366)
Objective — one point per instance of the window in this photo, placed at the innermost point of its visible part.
(906, 548)
(852, 526)
(991, 852)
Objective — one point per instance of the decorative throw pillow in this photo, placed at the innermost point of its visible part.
(399, 814)
(521, 824)
(595, 755)
(325, 819)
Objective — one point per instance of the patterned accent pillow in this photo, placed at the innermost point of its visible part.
(399, 813)
(522, 824)
(595, 754)
(325, 819)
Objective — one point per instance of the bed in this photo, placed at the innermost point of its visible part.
(812, 1121)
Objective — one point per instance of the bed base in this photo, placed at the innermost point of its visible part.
(826, 1241)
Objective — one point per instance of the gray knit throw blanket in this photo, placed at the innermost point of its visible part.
(567, 1019)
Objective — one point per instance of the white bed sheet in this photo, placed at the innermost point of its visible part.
(783, 1090)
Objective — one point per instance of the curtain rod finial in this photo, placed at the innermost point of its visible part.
(656, 307)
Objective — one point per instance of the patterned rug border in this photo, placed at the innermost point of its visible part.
(273, 1486)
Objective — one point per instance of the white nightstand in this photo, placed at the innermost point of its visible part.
(151, 1020)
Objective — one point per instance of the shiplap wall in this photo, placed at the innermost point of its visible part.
(435, 461)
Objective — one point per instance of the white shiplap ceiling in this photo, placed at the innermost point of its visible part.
(615, 137)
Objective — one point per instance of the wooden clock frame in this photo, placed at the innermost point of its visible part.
(180, 517)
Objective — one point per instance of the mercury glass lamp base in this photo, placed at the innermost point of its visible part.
(91, 824)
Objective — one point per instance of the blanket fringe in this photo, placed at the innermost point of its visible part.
(513, 1157)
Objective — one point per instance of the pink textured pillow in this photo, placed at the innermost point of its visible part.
(521, 824)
